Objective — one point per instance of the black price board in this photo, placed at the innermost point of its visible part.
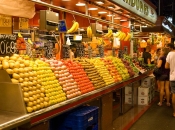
(48, 48)
(66, 51)
(7, 44)
(62, 26)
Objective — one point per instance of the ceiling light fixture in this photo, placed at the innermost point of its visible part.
(118, 18)
(110, 15)
(93, 9)
(123, 20)
(110, 7)
(99, 2)
(80, 4)
(102, 12)
(66, 0)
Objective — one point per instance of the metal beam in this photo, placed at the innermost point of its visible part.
(74, 12)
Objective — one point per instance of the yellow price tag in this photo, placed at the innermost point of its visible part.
(19, 35)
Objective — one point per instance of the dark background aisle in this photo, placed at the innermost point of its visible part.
(156, 118)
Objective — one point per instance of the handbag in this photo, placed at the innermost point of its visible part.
(157, 71)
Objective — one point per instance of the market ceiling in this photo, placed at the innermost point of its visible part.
(103, 9)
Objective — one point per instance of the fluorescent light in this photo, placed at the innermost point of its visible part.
(99, 2)
(93, 9)
(66, 0)
(117, 18)
(80, 4)
(110, 7)
(123, 20)
(109, 15)
(102, 12)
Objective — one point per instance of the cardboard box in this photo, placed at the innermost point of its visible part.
(128, 90)
(136, 84)
(143, 100)
(148, 82)
(143, 91)
(128, 99)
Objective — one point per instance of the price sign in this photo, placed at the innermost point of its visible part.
(7, 44)
(48, 46)
(23, 23)
(5, 21)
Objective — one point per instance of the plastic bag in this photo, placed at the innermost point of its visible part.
(19, 8)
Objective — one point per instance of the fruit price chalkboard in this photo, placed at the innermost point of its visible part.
(7, 44)
(48, 46)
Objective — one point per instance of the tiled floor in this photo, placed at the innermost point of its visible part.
(126, 121)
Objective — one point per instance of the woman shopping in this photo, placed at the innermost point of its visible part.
(164, 77)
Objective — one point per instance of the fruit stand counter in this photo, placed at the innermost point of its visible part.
(8, 120)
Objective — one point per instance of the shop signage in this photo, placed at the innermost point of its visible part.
(7, 44)
(139, 7)
(23, 23)
(5, 21)
(168, 27)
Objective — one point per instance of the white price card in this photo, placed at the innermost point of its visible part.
(5, 21)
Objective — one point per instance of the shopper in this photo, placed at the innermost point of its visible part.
(156, 59)
(170, 63)
(164, 78)
(147, 56)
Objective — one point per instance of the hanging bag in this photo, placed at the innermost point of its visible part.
(157, 71)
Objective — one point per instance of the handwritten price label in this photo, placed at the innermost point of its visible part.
(7, 44)
(5, 21)
(23, 23)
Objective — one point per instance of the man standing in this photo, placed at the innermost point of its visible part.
(147, 56)
(170, 63)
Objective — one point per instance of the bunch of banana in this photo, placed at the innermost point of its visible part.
(109, 34)
(122, 36)
(89, 32)
(127, 38)
(117, 34)
(74, 27)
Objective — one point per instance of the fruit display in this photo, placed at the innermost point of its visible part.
(65, 79)
(80, 76)
(131, 64)
(92, 73)
(112, 70)
(20, 72)
(89, 32)
(120, 67)
(129, 68)
(102, 70)
(74, 27)
(53, 90)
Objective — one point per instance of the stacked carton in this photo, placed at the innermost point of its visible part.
(146, 92)
(128, 94)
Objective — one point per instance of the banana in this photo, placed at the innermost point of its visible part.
(118, 33)
(127, 38)
(123, 36)
(74, 27)
(77, 26)
(109, 34)
(89, 31)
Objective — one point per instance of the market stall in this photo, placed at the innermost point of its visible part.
(50, 65)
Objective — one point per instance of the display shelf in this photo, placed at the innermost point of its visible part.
(54, 110)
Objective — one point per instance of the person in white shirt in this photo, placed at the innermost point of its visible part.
(170, 63)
